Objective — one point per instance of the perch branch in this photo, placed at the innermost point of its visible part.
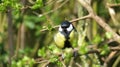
(74, 20)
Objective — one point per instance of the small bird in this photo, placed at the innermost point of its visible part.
(65, 36)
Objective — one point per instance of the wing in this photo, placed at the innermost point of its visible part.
(73, 38)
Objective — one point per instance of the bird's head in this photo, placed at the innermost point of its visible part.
(66, 26)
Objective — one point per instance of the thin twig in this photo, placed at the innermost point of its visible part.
(115, 48)
(74, 20)
(46, 64)
(111, 55)
(112, 14)
(63, 64)
(53, 9)
(91, 52)
(113, 5)
(116, 62)
(78, 64)
(42, 61)
(81, 18)
(71, 62)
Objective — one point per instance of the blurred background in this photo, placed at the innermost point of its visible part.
(27, 28)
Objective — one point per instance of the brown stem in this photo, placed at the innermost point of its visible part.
(10, 34)
(113, 5)
(22, 36)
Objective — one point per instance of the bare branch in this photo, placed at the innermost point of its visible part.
(53, 9)
(115, 48)
(42, 61)
(116, 62)
(112, 14)
(98, 51)
(113, 5)
(63, 64)
(100, 21)
(71, 62)
(45, 65)
(109, 58)
(74, 20)
(81, 18)
(78, 64)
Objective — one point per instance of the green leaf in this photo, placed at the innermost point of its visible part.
(29, 24)
(104, 49)
(83, 49)
(38, 4)
(108, 35)
(54, 58)
(41, 52)
(49, 27)
(14, 63)
(97, 39)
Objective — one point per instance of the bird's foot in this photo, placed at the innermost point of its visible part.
(61, 57)
(75, 53)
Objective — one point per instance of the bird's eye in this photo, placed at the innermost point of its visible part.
(64, 27)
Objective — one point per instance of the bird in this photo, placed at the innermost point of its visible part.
(65, 36)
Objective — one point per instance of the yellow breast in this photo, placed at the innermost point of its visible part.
(59, 40)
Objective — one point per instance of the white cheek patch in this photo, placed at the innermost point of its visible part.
(70, 28)
(60, 29)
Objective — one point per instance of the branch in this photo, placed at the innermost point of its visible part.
(10, 33)
(78, 64)
(53, 9)
(98, 51)
(112, 14)
(63, 64)
(45, 65)
(113, 5)
(115, 48)
(98, 19)
(71, 62)
(112, 54)
(116, 62)
(81, 18)
(74, 20)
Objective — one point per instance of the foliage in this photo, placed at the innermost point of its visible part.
(23, 62)
(35, 23)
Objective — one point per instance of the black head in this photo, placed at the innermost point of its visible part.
(65, 28)
(65, 24)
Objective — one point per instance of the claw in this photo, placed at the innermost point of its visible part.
(75, 53)
(61, 57)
